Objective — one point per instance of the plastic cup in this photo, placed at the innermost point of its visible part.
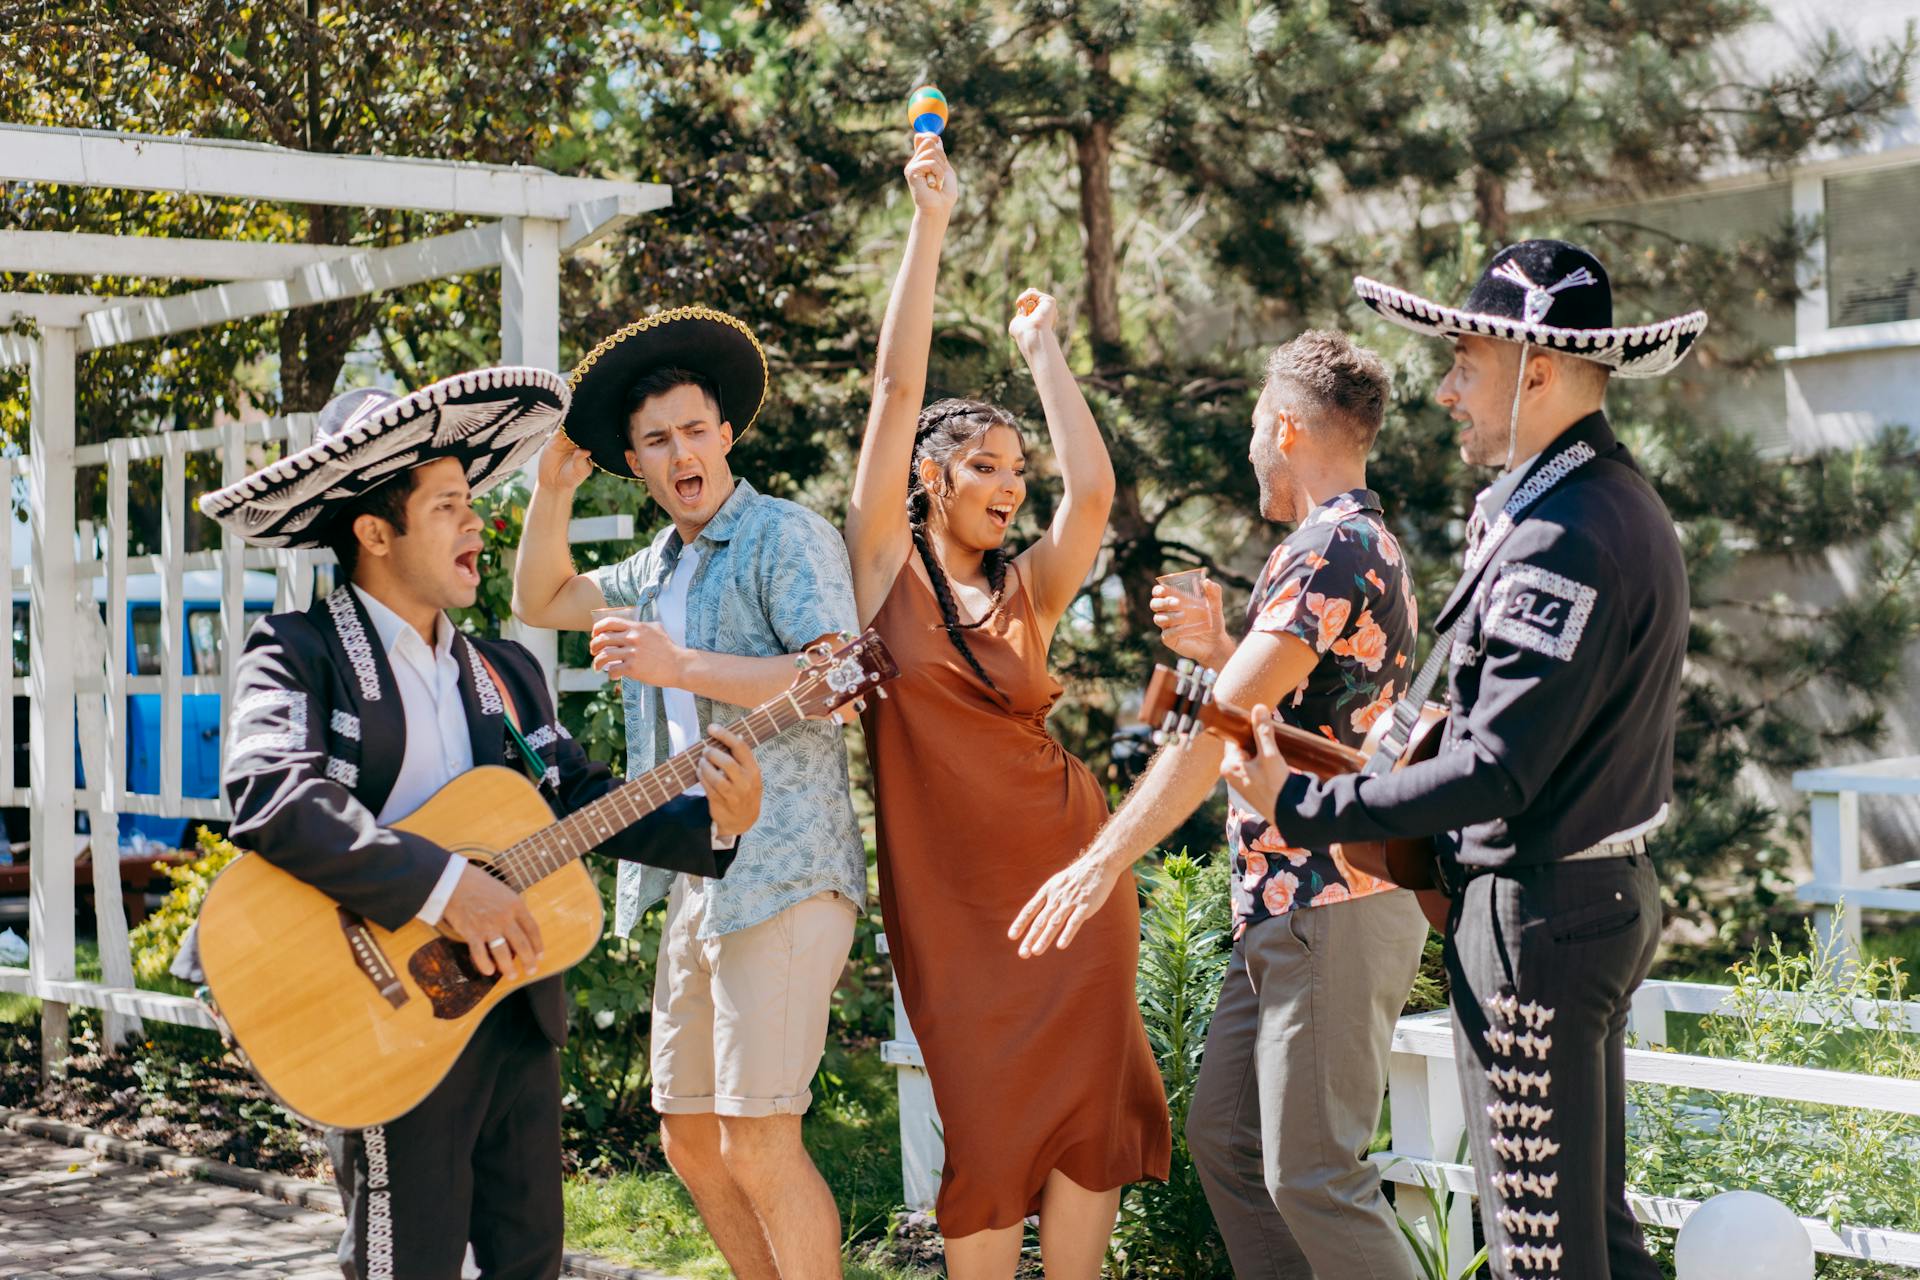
(630, 612)
(1190, 584)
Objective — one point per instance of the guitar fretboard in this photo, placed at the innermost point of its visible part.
(551, 848)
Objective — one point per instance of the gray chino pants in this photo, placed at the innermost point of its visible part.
(1290, 1089)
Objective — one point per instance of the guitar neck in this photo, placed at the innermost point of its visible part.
(548, 850)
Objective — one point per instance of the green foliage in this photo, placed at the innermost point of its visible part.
(1852, 1166)
(1431, 1243)
(604, 1070)
(1166, 1229)
(155, 940)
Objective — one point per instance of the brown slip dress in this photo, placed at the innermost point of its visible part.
(1036, 1064)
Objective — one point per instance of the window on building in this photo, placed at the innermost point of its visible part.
(146, 640)
(1873, 247)
(203, 629)
(20, 624)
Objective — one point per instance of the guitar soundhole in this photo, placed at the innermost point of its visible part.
(445, 974)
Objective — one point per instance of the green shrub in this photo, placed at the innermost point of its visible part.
(1850, 1166)
(155, 940)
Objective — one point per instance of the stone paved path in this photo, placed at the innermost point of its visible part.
(65, 1212)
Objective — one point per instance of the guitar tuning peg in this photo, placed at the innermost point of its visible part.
(859, 704)
(799, 660)
(881, 693)
(1159, 737)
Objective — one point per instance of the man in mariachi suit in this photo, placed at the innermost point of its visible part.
(349, 716)
(1565, 638)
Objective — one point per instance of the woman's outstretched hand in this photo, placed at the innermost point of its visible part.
(930, 177)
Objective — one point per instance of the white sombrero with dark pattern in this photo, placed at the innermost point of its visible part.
(492, 420)
(1552, 295)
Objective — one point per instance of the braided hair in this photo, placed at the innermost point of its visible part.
(945, 428)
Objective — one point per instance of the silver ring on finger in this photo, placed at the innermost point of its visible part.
(496, 942)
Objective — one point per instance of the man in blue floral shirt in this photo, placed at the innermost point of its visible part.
(1323, 955)
(721, 601)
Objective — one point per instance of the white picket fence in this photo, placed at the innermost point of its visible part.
(95, 662)
(1428, 1123)
(1427, 1120)
(1838, 876)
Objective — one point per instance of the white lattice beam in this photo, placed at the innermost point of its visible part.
(80, 253)
(250, 171)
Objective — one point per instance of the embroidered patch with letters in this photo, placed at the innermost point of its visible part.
(1540, 610)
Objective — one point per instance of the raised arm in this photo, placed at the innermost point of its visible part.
(877, 534)
(1060, 561)
(546, 590)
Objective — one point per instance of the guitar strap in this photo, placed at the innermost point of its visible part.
(536, 767)
(1406, 712)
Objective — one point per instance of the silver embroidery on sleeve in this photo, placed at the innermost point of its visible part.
(291, 733)
(344, 772)
(1540, 610)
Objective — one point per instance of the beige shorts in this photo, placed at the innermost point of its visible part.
(739, 1021)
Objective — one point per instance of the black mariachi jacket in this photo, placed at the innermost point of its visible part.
(318, 734)
(1565, 677)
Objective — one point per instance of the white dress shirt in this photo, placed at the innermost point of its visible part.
(438, 748)
(683, 716)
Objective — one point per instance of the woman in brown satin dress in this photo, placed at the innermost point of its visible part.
(978, 804)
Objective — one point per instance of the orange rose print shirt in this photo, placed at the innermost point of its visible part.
(1338, 583)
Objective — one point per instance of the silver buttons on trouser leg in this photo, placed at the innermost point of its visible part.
(1515, 1034)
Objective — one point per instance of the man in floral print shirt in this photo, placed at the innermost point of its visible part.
(1323, 956)
(1338, 585)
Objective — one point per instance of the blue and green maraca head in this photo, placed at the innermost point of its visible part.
(927, 110)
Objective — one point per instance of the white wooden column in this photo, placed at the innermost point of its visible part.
(50, 509)
(530, 335)
(1427, 1122)
(91, 651)
(1836, 861)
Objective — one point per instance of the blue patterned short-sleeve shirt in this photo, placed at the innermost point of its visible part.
(773, 578)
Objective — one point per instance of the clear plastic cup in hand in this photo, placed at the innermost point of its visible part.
(1188, 584)
(629, 612)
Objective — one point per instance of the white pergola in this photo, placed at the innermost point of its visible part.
(78, 672)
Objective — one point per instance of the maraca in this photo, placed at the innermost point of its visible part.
(927, 113)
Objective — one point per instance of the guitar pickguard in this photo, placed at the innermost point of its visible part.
(445, 974)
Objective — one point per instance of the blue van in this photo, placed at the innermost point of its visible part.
(201, 654)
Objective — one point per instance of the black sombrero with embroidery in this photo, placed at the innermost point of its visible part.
(492, 420)
(1552, 295)
(700, 340)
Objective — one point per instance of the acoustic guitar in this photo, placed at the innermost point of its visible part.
(1180, 703)
(348, 1024)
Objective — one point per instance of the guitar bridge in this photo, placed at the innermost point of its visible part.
(371, 960)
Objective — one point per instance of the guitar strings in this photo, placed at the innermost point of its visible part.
(530, 860)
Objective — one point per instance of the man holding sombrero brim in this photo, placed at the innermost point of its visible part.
(1565, 639)
(718, 604)
(349, 716)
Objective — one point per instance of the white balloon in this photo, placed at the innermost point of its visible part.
(1743, 1235)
